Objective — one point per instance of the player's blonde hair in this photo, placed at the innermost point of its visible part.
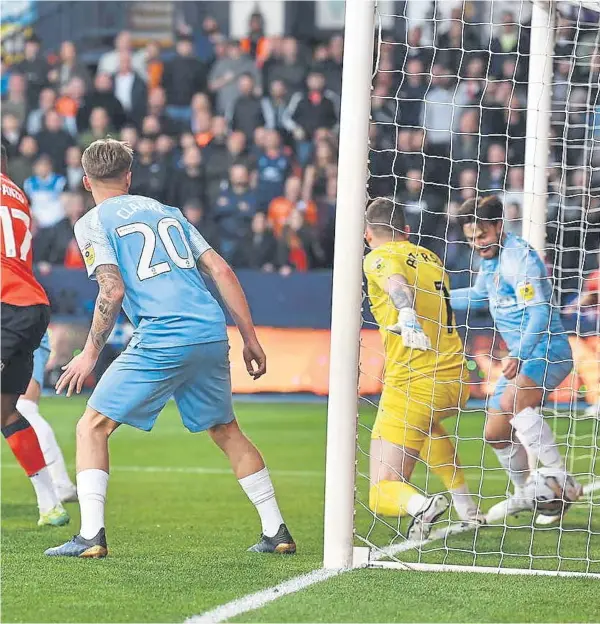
(107, 159)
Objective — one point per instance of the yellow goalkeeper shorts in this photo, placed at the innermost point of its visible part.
(407, 411)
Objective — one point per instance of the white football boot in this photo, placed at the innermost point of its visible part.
(422, 522)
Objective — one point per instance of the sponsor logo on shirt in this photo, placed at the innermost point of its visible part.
(89, 255)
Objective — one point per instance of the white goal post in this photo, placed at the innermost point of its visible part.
(363, 36)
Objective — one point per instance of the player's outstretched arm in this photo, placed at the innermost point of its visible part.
(402, 295)
(473, 297)
(106, 312)
(229, 287)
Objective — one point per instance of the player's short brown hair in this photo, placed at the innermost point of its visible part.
(488, 209)
(107, 159)
(384, 215)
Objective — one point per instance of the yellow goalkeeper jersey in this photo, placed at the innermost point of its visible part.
(424, 271)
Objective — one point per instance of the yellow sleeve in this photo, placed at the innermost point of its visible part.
(379, 265)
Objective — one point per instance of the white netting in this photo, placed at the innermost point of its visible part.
(449, 110)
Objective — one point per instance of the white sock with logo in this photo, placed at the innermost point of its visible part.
(537, 435)
(91, 489)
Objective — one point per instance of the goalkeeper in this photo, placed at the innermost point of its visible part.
(514, 283)
(424, 374)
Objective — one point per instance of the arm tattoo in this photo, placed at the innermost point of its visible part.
(401, 293)
(108, 304)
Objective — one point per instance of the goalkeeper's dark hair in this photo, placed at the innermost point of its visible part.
(385, 216)
(487, 209)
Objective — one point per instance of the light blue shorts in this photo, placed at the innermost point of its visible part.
(40, 358)
(547, 368)
(136, 386)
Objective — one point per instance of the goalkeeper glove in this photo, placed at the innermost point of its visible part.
(411, 331)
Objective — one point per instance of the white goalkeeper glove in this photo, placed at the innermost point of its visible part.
(411, 331)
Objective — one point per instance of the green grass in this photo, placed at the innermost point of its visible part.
(178, 537)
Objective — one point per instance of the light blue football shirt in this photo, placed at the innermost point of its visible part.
(516, 287)
(156, 250)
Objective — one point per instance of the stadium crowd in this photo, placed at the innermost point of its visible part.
(242, 135)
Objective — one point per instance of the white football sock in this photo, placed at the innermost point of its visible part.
(415, 504)
(260, 491)
(91, 489)
(537, 435)
(463, 502)
(513, 458)
(52, 453)
(44, 490)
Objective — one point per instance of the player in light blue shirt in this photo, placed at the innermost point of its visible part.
(514, 284)
(145, 256)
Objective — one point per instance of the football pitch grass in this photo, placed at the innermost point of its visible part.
(178, 526)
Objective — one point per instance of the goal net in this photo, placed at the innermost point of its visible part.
(470, 99)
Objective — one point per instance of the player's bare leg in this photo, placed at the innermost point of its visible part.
(93, 432)
(28, 405)
(517, 427)
(249, 469)
(391, 494)
(24, 443)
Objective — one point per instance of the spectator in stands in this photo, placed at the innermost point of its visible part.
(306, 113)
(234, 212)
(273, 107)
(201, 127)
(216, 157)
(411, 94)
(319, 171)
(193, 211)
(35, 68)
(5, 74)
(247, 111)
(438, 119)
(11, 133)
(205, 40)
(130, 89)
(99, 128)
(157, 102)
(69, 66)
(259, 249)
(382, 109)
(299, 247)
(588, 302)
(256, 45)
(281, 208)
(151, 127)
(513, 199)
(184, 75)
(289, 68)
(56, 245)
(149, 175)
(129, 134)
(101, 96)
(54, 141)
(109, 61)
(493, 175)
(188, 183)
(423, 210)
(35, 119)
(44, 189)
(74, 171)
(273, 167)
(21, 166)
(71, 99)
(224, 74)
(414, 48)
(15, 101)
(333, 66)
(154, 65)
(468, 144)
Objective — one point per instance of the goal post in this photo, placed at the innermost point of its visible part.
(354, 534)
(342, 409)
(539, 94)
